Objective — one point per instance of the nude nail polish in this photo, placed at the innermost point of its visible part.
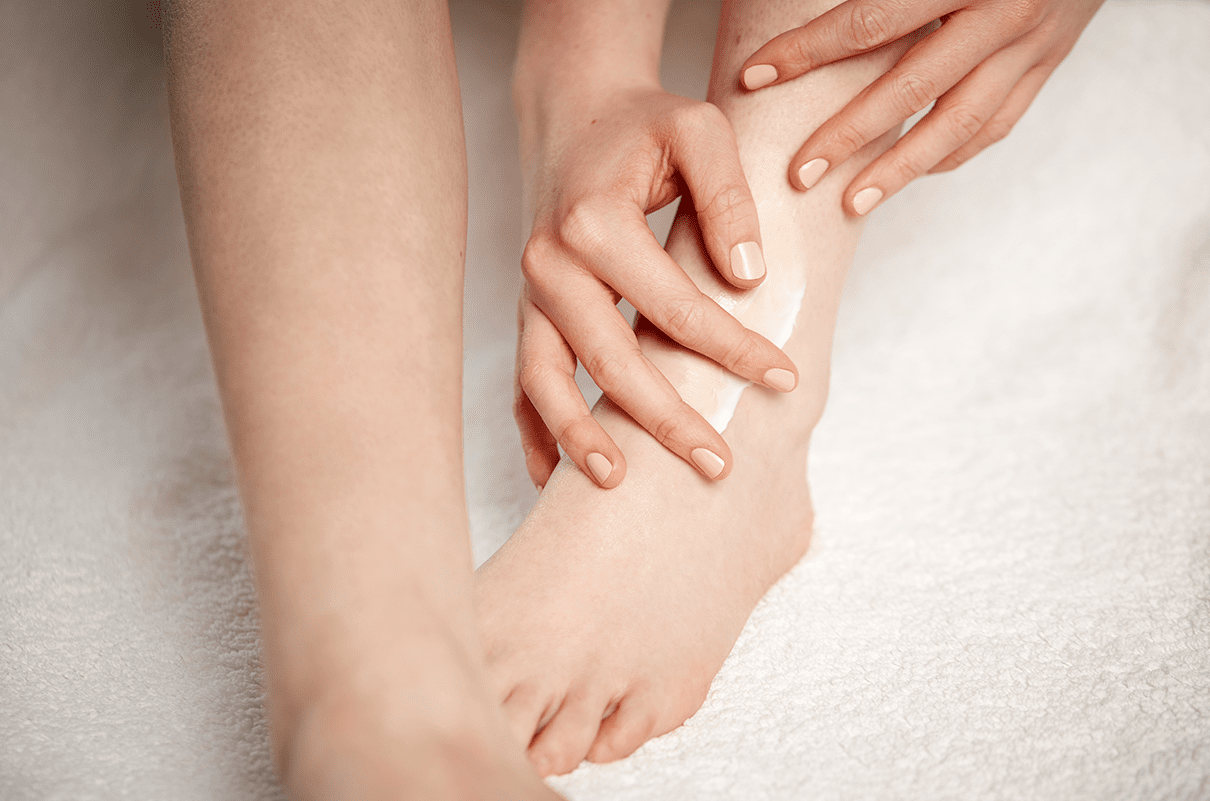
(866, 199)
(759, 75)
(747, 262)
(708, 462)
(600, 466)
(779, 379)
(810, 173)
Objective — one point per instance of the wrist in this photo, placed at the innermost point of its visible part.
(548, 111)
(574, 56)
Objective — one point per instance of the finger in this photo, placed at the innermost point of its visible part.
(609, 351)
(633, 263)
(546, 375)
(929, 69)
(857, 26)
(707, 157)
(1002, 121)
(957, 118)
(539, 445)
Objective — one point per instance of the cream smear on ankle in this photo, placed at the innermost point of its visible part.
(771, 312)
(770, 309)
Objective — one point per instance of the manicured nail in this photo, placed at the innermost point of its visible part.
(866, 199)
(759, 75)
(810, 173)
(747, 262)
(779, 379)
(600, 466)
(708, 462)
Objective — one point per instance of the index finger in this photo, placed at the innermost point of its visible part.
(849, 29)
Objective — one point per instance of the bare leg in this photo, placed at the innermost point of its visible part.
(323, 177)
(622, 604)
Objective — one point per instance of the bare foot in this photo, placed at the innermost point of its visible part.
(428, 730)
(608, 614)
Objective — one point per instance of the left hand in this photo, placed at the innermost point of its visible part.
(983, 65)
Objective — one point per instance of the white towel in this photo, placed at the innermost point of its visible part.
(1007, 594)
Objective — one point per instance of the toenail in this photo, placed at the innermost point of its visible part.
(708, 462)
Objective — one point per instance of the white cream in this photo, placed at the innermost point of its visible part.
(771, 310)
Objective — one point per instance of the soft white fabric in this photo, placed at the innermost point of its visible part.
(1007, 596)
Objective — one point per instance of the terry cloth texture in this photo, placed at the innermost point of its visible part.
(1007, 595)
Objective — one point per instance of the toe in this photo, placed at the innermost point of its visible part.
(620, 735)
(563, 743)
(525, 707)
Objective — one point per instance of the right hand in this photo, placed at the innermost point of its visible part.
(600, 170)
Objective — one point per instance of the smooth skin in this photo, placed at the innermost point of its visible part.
(323, 175)
(608, 614)
(603, 145)
(982, 66)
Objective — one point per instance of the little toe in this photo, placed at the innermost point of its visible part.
(561, 746)
(625, 730)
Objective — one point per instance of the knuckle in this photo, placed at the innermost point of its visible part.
(869, 26)
(965, 121)
(744, 351)
(1025, 15)
(572, 431)
(608, 370)
(582, 228)
(694, 123)
(665, 427)
(953, 162)
(698, 117)
(914, 92)
(906, 169)
(538, 258)
(996, 130)
(726, 208)
(530, 378)
(684, 319)
(797, 55)
(848, 139)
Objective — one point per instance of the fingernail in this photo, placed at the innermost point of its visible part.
(600, 466)
(759, 75)
(810, 173)
(779, 379)
(747, 262)
(708, 462)
(866, 199)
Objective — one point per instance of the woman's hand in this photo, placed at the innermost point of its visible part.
(612, 158)
(983, 65)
